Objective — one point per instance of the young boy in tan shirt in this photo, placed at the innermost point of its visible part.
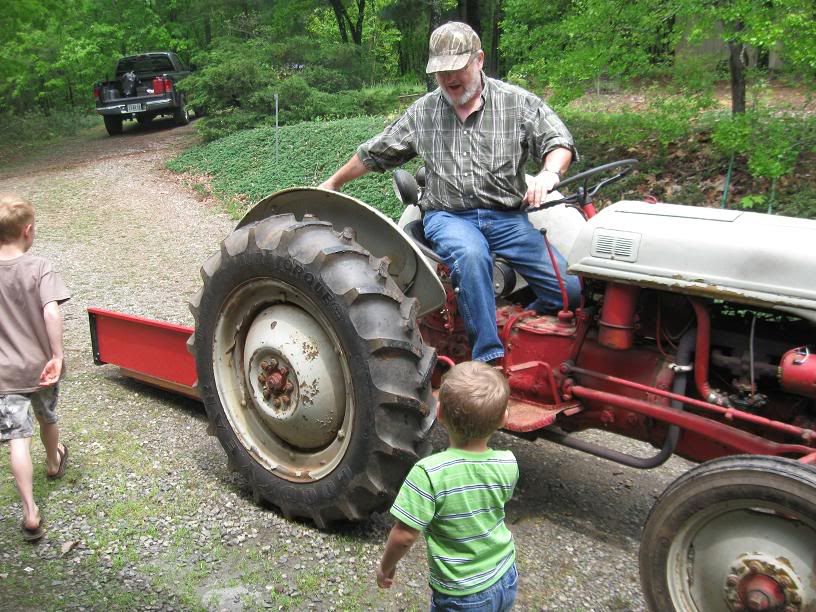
(31, 354)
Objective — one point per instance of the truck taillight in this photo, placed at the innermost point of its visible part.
(162, 85)
(97, 92)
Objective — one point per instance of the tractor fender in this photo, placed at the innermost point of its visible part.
(414, 274)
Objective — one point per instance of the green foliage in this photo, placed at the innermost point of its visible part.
(379, 44)
(667, 120)
(243, 168)
(231, 71)
(565, 45)
(53, 51)
(800, 203)
(225, 122)
(35, 128)
(770, 142)
(239, 81)
(568, 45)
(753, 201)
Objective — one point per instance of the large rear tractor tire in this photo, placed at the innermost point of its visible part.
(737, 533)
(312, 368)
(113, 124)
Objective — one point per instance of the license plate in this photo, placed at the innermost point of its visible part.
(134, 108)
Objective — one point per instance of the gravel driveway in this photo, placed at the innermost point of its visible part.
(149, 517)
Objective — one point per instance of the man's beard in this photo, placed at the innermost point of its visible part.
(466, 96)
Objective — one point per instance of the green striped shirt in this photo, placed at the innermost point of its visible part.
(456, 498)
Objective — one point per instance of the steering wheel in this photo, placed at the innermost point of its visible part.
(586, 193)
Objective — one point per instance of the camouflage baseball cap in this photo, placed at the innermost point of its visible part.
(451, 46)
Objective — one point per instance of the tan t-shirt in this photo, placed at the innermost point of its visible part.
(27, 284)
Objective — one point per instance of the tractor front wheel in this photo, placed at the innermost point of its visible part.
(312, 369)
(737, 533)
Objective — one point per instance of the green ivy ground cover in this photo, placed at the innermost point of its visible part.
(243, 168)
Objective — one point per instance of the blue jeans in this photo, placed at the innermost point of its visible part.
(465, 241)
(496, 598)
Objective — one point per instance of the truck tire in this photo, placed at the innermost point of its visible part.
(113, 124)
(733, 533)
(312, 368)
(181, 116)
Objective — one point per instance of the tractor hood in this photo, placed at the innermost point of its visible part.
(743, 257)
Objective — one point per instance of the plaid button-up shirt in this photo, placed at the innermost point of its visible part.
(478, 163)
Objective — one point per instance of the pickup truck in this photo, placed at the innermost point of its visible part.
(144, 87)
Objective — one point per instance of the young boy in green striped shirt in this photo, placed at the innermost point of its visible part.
(456, 499)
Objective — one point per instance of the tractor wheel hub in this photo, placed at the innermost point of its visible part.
(761, 583)
(294, 377)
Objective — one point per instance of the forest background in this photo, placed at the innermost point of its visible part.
(700, 74)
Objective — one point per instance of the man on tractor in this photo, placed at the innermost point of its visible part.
(475, 135)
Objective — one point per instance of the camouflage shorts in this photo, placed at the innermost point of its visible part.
(15, 416)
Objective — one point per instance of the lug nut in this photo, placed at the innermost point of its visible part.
(732, 580)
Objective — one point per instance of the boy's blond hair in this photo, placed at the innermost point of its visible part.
(15, 214)
(474, 399)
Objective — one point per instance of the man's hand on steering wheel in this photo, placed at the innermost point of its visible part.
(538, 188)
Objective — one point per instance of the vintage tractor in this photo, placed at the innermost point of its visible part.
(322, 326)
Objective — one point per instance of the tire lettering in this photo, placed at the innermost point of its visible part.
(298, 271)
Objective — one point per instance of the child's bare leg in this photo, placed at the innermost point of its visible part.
(23, 471)
(49, 434)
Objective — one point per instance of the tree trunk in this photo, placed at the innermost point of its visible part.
(469, 13)
(493, 59)
(357, 31)
(736, 65)
(344, 21)
(434, 21)
(337, 7)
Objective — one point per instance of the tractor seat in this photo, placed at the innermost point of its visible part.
(416, 232)
(505, 280)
